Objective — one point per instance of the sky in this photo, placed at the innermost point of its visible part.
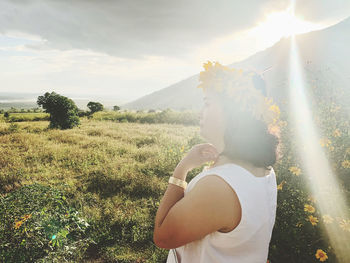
(122, 50)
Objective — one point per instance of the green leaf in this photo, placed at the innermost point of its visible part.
(64, 232)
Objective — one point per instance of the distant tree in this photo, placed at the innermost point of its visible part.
(6, 114)
(83, 113)
(37, 110)
(116, 108)
(151, 110)
(12, 109)
(95, 106)
(63, 111)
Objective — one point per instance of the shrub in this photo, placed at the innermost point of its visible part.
(95, 107)
(63, 111)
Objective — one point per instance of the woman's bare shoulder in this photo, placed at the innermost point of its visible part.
(225, 197)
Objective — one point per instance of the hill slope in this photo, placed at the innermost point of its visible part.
(323, 57)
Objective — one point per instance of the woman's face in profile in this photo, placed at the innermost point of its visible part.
(212, 120)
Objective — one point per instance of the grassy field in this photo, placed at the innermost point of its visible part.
(90, 194)
(27, 116)
(167, 116)
(114, 174)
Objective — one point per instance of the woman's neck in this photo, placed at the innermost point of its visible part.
(223, 159)
(257, 171)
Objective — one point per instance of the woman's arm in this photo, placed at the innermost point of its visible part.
(198, 155)
(172, 195)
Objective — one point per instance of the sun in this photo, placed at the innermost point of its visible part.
(285, 24)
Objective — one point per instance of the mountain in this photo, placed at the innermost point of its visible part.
(324, 60)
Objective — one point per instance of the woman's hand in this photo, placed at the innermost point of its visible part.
(199, 154)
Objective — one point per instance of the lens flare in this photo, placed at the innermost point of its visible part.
(324, 185)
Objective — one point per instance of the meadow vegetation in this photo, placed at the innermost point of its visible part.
(112, 174)
(90, 194)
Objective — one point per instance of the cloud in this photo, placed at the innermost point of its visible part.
(115, 47)
(134, 29)
(322, 11)
(129, 29)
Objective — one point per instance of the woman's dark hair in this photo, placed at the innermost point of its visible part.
(246, 138)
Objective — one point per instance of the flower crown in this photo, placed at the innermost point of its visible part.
(240, 86)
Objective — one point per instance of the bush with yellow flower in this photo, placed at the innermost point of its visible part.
(299, 233)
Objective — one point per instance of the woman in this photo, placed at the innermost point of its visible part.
(227, 212)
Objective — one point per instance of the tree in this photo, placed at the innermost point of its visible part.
(83, 113)
(6, 114)
(12, 109)
(116, 108)
(63, 111)
(95, 106)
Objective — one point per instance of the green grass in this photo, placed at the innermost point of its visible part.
(114, 174)
(30, 116)
(167, 116)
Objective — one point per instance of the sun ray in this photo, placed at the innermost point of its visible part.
(324, 185)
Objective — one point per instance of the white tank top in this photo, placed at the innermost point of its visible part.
(249, 241)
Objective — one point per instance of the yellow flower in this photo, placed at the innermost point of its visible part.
(295, 170)
(238, 84)
(336, 133)
(321, 255)
(18, 224)
(207, 65)
(327, 219)
(312, 199)
(346, 163)
(26, 217)
(325, 142)
(299, 224)
(279, 187)
(313, 220)
(182, 148)
(344, 224)
(309, 208)
(275, 109)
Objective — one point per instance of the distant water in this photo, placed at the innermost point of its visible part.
(31, 102)
(17, 100)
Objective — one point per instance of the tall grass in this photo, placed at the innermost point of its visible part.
(113, 173)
